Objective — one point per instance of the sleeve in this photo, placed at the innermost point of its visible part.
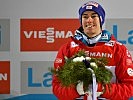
(123, 88)
(62, 93)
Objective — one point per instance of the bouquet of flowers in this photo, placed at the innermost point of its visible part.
(76, 69)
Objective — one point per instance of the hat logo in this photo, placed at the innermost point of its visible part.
(88, 7)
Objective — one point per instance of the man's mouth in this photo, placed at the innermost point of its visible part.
(89, 26)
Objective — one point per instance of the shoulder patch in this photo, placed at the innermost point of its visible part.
(110, 43)
(73, 44)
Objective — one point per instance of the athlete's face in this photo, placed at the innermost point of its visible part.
(91, 23)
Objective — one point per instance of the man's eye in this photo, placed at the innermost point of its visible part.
(93, 16)
(85, 17)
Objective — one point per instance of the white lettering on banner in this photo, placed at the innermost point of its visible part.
(99, 54)
(3, 76)
(35, 34)
(59, 34)
(50, 34)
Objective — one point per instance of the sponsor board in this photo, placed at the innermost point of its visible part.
(4, 77)
(35, 77)
(46, 34)
(122, 30)
(4, 34)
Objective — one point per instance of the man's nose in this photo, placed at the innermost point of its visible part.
(90, 19)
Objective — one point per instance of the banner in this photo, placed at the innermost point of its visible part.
(46, 34)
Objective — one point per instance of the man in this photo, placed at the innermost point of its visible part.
(97, 43)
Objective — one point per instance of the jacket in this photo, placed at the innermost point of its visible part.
(120, 63)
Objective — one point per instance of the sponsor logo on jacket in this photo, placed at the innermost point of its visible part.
(99, 54)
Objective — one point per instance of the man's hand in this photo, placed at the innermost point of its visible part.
(81, 91)
(80, 88)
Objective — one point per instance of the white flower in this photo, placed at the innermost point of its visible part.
(80, 59)
(88, 58)
(93, 64)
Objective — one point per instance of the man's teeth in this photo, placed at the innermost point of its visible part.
(89, 26)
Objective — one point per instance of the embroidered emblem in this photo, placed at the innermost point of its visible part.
(73, 44)
(130, 71)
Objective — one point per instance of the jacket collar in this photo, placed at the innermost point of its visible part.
(105, 36)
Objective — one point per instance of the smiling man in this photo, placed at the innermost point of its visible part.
(97, 43)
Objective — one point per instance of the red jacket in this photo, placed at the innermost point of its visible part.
(120, 63)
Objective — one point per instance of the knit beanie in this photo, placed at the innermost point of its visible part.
(92, 6)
